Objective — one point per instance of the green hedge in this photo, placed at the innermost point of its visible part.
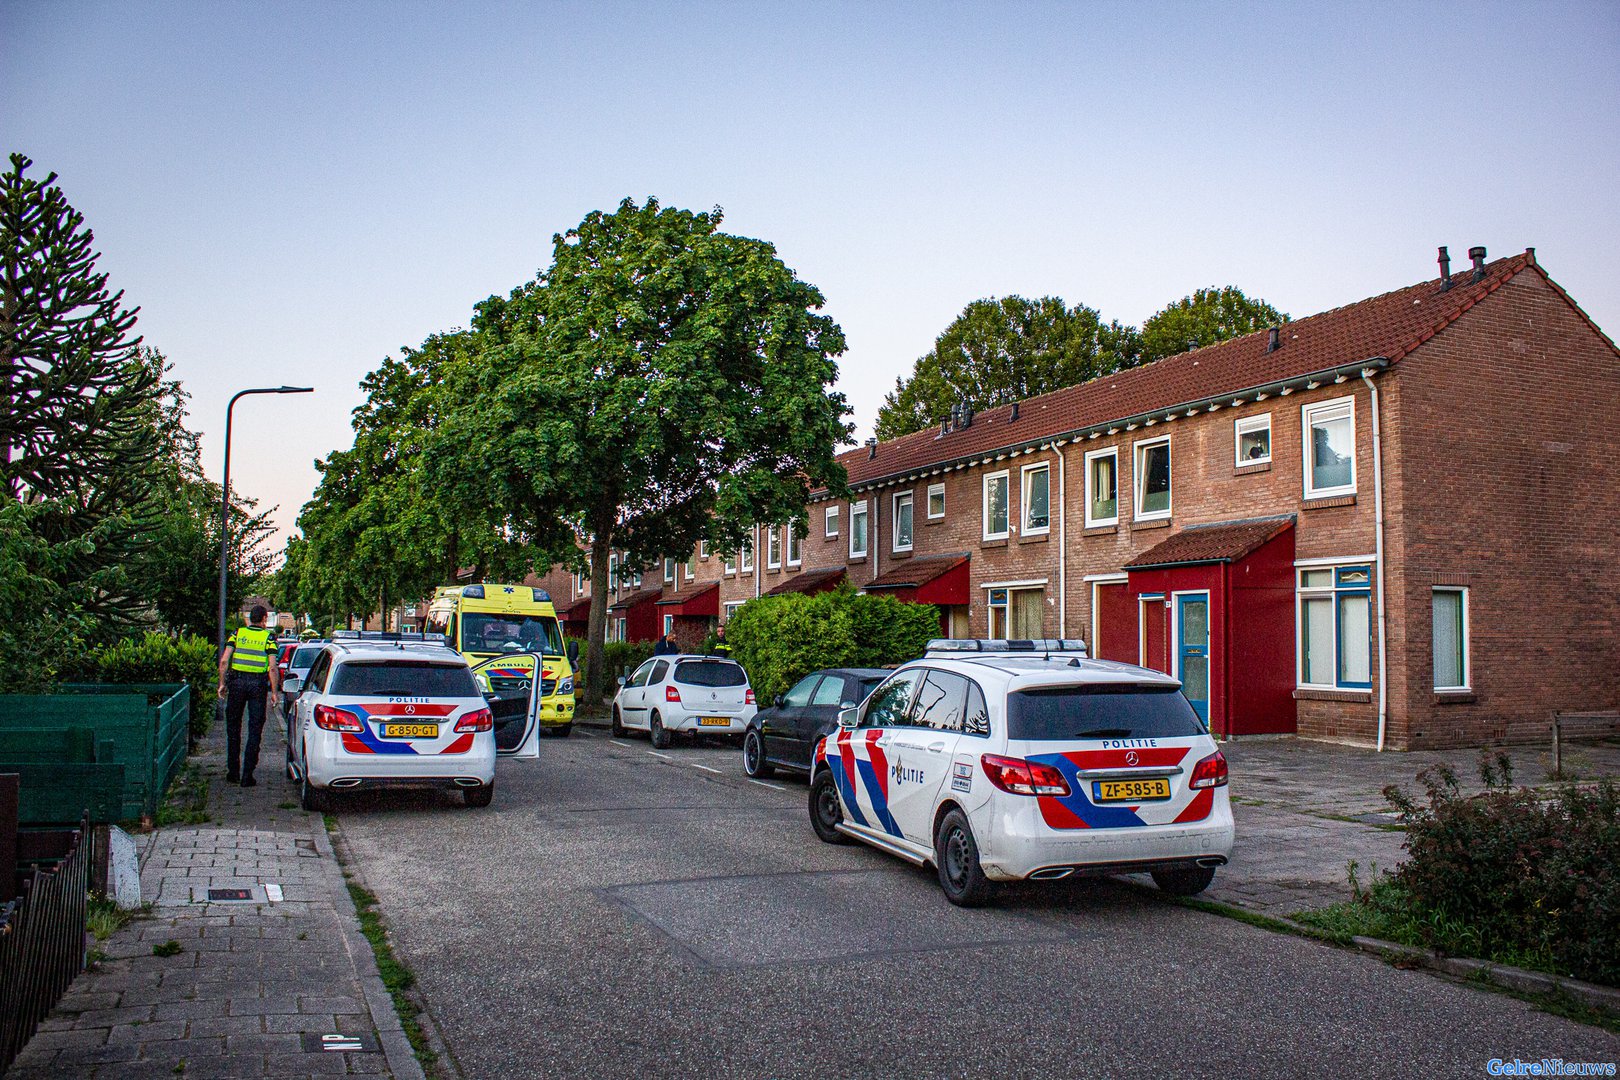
(781, 639)
(158, 658)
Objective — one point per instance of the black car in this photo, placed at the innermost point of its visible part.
(785, 735)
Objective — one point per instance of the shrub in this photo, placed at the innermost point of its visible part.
(158, 658)
(617, 657)
(1517, 877)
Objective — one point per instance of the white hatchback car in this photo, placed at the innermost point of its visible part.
(698, 694)
(377, 714)
(1003, 761)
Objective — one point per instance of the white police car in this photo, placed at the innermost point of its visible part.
(380, 714)
(1003, 761)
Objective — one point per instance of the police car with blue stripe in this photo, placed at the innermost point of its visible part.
(1003, 761)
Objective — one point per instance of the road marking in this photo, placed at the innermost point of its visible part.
(762, 783)
(626, 745)
(705, 768)
(655, 753)
(587, 734)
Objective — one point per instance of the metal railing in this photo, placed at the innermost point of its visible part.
(41, 929)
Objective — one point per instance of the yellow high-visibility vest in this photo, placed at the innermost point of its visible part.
(251, 647)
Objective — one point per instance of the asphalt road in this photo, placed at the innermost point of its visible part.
(618, 913)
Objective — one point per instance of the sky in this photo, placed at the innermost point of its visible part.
(292, 191)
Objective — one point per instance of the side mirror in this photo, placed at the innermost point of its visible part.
(781, 699)
(573, 652)
(848, 718)
(622, 680)
(848, 704)
(290, 684)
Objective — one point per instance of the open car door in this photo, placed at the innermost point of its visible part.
(508, 684)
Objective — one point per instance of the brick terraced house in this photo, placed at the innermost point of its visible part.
(1391, 523)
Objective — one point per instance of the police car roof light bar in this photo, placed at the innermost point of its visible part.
(1014, 645)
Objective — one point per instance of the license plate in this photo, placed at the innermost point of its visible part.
(410, 731)
(1103, 791)
(714, 721)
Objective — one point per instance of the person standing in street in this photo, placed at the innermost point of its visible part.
(721, 646)
(666, 645)
(247, 675)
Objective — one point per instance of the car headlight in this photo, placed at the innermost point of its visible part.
(565, 685)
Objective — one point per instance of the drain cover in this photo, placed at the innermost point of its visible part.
(230, 894)
(314, 1043)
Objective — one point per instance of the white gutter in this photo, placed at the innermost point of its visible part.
(1378, 547)
(759, 566)
(1063, 546)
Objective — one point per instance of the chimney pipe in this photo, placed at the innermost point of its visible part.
(1478, 255)
(1015, 411)
(1445, 269)
(1273, 339)
(871, 449)
(967, 415)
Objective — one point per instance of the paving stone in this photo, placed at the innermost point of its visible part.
(155, 1031)
(76, 1038)
(322, 1023)
(322, 1064)
(330, 1005)
(70, 1057)
(228, 1068)
(228, 1025)
(263, 1044)
(262, 1006)
(189, 1009)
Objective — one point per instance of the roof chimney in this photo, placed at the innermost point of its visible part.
(871, 449)
(1478, 255)
(1445, 269)
(1014, 415)
(1273, 339)
(967, 415)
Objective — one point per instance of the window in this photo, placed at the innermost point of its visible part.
(643, 673)
(891, 702)
(703, 549)
(669, 624)
(1102, 487)
(747, 555)
(977, 719)
(613, 571)
(901, 523)
(635, 579)
(857, 530)
(1451, 639)
(659, 671)
(729, 567)
(690, 569)
(795, 541)
(1253, 440)
(732, 606)
(1153, 479)
(669, 571)
(621, 630)
(1078, 712)
(1330, 448)
(995, 506)
(832, 521)
(773, 550)
(799, 696)
(936, 501)
(1037, 498)
(1335, 627)
(830, 692)
(710, 673)
(1017, 614)
(941, 701)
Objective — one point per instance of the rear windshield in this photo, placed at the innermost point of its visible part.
(403, 678)
(709, 673)
(1100, 712)
(305, 655)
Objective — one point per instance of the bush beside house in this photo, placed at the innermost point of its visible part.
(157, 658)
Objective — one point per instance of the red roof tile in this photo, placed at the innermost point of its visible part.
(918, 571)
(690, 592)
(1388, 326)
(640, 597)
(1223, 541)
(579, 609)
(811, 581)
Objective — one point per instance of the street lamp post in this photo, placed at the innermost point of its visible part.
(225, 498)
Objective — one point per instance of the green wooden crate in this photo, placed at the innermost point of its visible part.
(50, 744)
(51, 793)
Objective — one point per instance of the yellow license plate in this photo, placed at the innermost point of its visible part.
(1129, 790)
(714, 721)
(410, 731)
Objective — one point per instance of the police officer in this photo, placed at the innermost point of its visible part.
(247, 672)
(721, 646)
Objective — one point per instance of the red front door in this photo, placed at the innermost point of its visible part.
(1154, 647)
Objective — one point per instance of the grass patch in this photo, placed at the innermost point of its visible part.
(187, 800)
(395, 975)
(168, 948)
(104, 918)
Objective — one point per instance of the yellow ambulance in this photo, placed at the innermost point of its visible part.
(511, 637)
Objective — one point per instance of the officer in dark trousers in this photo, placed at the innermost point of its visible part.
(247, 674)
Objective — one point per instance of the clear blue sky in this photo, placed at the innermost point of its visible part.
(292, 191)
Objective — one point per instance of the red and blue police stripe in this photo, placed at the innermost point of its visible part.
(367, 741)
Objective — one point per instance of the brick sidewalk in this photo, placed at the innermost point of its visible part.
(253, 978)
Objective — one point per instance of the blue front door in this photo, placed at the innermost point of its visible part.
(1192, 650)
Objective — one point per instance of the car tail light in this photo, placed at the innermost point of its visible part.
(1019, 777)
(672, 694)
(477, 720)
(1210, 772)
(748, 697)
(330, 719)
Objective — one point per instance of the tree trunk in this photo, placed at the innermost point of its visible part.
(595, 634)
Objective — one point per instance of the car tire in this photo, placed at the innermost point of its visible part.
(825, 810)
(479, 796)
(1185, 882)
(658, 733)
(564, 730)
(754, 761)
(956, 855)
(310, 797)
(617, 726)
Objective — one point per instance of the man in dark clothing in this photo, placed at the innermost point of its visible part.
(247, 674)
(666, 645)
(721, 647)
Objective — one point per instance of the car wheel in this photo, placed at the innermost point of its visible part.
(754, 763)
(479, 796)
(562, 731)
(617, 727)
(658, 734)
(825, 810)
(1187, 882)
(956, 854)
(310, 797)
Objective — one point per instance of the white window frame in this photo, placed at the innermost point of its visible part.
(669, 569)
(1093, 455)
(936, 489)
(703, 549)
(745, 557)
(729, 567)
(689, 569)
(669, 625)
(732, 606)
(1335, 591)
(613, 572)
(1139, 479)
(1024, 475)
(1467, 667)
(635, 578)
(830, 522)
(910, 499)
(795, 540)
(1307, 417)
(860, 510)
(984, 509)
(1248, 425)
(773, 549)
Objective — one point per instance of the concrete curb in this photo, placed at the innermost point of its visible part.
(391, 1035)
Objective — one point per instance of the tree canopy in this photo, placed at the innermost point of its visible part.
(1204, 318)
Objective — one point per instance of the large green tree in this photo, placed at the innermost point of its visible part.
(1204, 318)
(661, 382)
(998, 351)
